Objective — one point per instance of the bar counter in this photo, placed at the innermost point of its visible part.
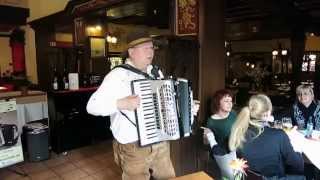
(24, 97)
(70, 124)
(82, 89)
(31, 105)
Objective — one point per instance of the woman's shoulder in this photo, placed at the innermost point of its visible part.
(274, 132)
(233, 114)
(317, 102)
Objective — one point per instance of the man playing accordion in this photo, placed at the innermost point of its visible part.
(114, 98)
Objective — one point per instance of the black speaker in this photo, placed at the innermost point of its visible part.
(37, 142)
(158, 13)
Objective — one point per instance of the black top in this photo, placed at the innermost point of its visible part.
(221, 129)
(307, 111)
(302, 115)
(270, 153)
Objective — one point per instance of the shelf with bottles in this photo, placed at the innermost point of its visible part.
(59, 81)
(115, 59)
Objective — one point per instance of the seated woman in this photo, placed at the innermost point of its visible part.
(306, 109)
(220, 123)
(267, 150)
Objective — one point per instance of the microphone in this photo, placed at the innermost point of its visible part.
(155, 71)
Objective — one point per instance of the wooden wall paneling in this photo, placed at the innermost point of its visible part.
(184, 55)
(297, 52)
(212, 52)
(42, 38)
(179, 58)
(79, 31)
(212, 59)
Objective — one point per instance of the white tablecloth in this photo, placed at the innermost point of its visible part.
(310, 147)
(31, 112)
(311, 150)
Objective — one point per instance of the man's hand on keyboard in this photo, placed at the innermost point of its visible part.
(128, 103)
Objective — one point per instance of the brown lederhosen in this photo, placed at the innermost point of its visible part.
(135, 161)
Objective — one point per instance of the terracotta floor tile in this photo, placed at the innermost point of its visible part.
(54, 178)
(102, 157)
(116, 169)
(43, 175)
(22, 178)
(88, 163)
(5, 174)
(107, 174)
(64, 168)
(31, 167)
(74, 175)
(83, 162)
(88, 178)
(92, 168)
(75, 156)
(56, 161)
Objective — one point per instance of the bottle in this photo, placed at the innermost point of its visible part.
(85, 81)
(55, 80)
(309, 128)
(65, 80)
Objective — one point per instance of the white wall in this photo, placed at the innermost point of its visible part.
(5, 55)
(41, 8)
(15, 3)
(38, 9)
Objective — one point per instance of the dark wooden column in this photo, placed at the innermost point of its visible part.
(211, 64)
(297, 48)
(46, 57)
(212, 57)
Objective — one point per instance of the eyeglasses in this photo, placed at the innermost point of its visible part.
(304, 94)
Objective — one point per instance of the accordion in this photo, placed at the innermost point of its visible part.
(165, 109)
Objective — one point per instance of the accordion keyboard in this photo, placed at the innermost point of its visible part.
(157, 118)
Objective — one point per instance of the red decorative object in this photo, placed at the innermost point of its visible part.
(18, 57)
(6, 87)
(187, 17)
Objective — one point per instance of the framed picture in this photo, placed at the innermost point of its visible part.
(187, 17)
(97, 47)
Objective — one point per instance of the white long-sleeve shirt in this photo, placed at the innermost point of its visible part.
(103, 102)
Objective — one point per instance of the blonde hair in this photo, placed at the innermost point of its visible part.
(249, 115)
(304, 88)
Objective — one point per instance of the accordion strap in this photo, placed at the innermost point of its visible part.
(137, 71)
(128, 118)
(154, 71)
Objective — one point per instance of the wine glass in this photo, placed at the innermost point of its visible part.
(286, 123)
(277, 124)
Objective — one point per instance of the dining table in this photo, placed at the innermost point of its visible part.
(194, 176)
(310, 146)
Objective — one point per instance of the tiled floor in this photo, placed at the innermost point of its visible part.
(88, 163)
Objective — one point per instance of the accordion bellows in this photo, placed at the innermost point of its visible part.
(165, 109)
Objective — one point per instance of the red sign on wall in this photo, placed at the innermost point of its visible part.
(187, 17)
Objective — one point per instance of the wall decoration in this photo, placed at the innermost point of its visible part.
(97, 47)
(187, 17)
(17, 41)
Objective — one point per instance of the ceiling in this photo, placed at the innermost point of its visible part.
(245, 19)
(240, 10)
(12, 17)
(262, 19)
